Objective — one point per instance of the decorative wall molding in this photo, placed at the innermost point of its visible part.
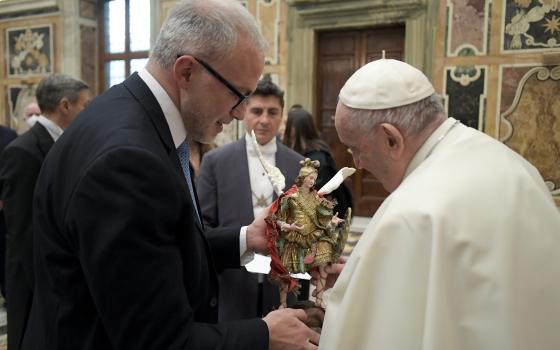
(306, 17)
(473, 38)
(11, 8)
(268, 19)
(465, 91)
(532, 121)
(530, 26)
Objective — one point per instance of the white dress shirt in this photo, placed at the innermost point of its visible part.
(261, 187)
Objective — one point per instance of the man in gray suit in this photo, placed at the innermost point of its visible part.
(233, 188)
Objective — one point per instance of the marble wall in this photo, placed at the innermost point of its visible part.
(497, 67)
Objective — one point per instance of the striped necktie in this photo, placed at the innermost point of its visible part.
(183, 153)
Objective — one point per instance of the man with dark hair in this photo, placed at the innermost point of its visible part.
(60, 98)
(233, 189)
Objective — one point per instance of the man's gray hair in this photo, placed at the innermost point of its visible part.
(410, 119)
(208, 29)
(54, 88)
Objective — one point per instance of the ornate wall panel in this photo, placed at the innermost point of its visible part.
(530, 25)
(518, 85)
(268, 17)
(467, 27)
(531, 123)
(31, 47)
(88, 9)
(88, 39)
(465, 94)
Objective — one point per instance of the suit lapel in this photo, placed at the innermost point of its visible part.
(44, 139)
(148, 101)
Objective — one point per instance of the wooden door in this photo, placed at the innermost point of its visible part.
(339, 54)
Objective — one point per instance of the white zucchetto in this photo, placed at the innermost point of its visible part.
(385, 83)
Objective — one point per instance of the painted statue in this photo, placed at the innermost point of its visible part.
(304, 233)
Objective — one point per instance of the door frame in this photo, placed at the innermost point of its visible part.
(306, 17)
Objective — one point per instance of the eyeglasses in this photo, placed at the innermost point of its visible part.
(242, 97)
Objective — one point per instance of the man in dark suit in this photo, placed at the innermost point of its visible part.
(61, 98)
(121, 256)
(233, 189)
(7, 135)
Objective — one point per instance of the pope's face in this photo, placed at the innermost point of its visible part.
(365, 145)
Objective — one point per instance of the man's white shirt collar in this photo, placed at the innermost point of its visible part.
(170, 111)
(266, 149)
(52, 128)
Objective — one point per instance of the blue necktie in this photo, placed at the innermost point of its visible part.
(183, 153)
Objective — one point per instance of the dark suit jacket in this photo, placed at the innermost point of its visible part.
(121, 260)
(7, 135)
(20, 163)
(224, 189)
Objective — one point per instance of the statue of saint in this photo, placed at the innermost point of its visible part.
(304, 233)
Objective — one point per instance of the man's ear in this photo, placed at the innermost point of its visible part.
(393, 140)
(183, 70)
(64, 105)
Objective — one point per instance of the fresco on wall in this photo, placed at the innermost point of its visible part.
(467, 27)
(531, 25)
(531, 124)
(29, 51)
(465, 94)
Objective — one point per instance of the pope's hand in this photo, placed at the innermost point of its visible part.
(332, 270)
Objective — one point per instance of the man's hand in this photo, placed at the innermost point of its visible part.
(332, 270)
(256, 234)
(287, 330)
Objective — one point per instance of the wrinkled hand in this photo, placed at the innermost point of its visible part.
(256, 234)
(287, 330)
(332, 270)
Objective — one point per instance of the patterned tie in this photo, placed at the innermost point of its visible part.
(183, 153)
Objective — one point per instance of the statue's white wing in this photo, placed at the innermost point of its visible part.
(274, 174)
(336, 180)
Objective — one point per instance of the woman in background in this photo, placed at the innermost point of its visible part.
(302, 136)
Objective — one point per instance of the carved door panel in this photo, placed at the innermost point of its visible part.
(339, 54)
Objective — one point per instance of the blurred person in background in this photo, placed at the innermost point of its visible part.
(302, 136)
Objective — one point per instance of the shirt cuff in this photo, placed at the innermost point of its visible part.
(245, 256)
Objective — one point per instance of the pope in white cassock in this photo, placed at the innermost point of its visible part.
(465, 251)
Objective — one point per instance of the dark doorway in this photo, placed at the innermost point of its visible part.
(339, 54)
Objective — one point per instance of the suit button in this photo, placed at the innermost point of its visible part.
(213, 302)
